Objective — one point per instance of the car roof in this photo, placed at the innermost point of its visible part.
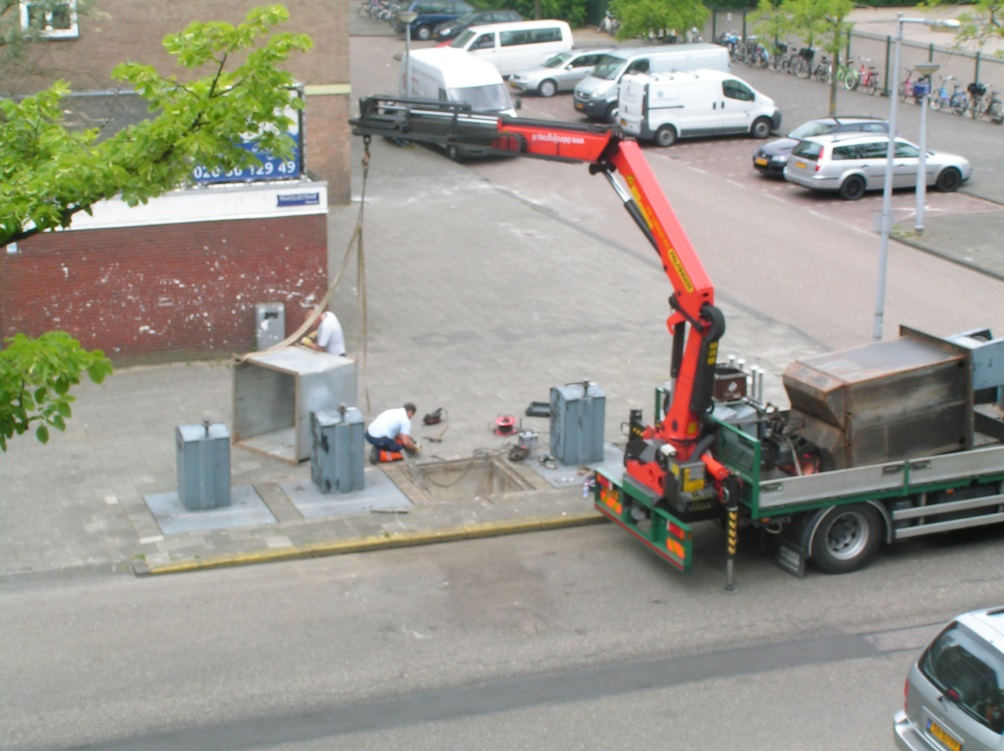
(851, 136)
(988, 623)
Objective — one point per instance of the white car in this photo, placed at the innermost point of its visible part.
(558, 73)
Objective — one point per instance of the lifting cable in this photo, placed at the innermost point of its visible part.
(315, 314)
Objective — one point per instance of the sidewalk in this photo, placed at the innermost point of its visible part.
(479, 323)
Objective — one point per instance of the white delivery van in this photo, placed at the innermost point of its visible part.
(450, 75)
(663, 107)
(596, 95)
(517, 45)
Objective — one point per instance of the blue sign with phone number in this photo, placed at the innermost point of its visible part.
(269, 169)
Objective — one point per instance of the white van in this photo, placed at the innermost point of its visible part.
(596, 95)
(666, 106)
(517, 45)
(450, 75)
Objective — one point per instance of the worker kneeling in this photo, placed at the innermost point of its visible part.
(390, 434)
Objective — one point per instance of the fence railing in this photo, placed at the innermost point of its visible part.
(965, 66)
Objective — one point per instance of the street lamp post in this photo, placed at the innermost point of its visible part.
(886, 227)
(927, 70)
(406, 18)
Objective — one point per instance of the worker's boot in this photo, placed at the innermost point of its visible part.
(391, 456)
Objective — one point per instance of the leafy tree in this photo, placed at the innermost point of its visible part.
(770, 22)
(573, 11)
(981, 23)
(48, 173)
(35, 380)
(816, 21)
(643, 18)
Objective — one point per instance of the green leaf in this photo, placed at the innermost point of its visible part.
(42, 434)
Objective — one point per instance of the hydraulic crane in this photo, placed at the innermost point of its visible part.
(669, 462)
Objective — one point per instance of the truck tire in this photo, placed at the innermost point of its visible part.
(665, 136)
(761, 128)
(846, 538)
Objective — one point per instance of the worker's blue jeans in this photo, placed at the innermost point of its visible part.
(385, 444)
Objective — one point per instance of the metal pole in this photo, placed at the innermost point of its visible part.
(928, 70)
(887, 188)
(407, 61)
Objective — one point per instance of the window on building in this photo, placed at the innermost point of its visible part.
(56, 19)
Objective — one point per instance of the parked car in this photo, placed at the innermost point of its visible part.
(558, 73)
(771, 158)
(851, 163)
(954, 693)
(430, 14)
(450, 29)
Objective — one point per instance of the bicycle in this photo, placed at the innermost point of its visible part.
(865, 78)
(915, 88)
(943, 100)
(847, 76)
(779, 57)
(981, 105)
(801, 66)
(822, 70)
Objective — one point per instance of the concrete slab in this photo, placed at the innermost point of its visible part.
(246, 509)
(559, 476)
(379, 494)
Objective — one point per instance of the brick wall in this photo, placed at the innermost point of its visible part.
(141, 291)
(131, 30)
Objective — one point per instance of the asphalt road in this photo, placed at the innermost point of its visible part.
(577, 639)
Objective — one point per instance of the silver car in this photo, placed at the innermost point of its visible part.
(559, 73)
(851, 163)
(955, 690)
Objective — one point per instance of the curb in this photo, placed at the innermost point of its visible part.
(366, 544)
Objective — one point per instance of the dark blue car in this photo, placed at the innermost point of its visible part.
(430, 13)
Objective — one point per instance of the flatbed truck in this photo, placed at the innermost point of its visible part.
(886, 442)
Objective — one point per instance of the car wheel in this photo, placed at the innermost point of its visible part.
(853, 188)
(422, 33)
(611, 114)
(453, 152)
(846, 538)
(665, 136)
(949, 180)
(547, 88)
(761, 128)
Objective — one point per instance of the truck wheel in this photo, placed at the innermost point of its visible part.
(665, 136)
(846, 538)
(761, 128)
(547, 88)
(853, 188)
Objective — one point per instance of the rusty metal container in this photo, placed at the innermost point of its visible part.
(910, 396)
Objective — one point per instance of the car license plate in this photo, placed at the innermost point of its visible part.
(938, 732)
(799, 164)
(761, 161)
(580, 106)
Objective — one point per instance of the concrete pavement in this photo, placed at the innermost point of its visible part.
(463, 312)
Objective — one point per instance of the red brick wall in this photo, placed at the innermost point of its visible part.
(141, 291)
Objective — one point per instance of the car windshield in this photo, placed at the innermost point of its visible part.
(810, 129)
(968, 671)
(558, 60)
(462, 40)
(465, 20)
(807, 150)
(491, 98)
(609, 67)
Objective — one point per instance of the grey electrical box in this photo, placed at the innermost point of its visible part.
(577, 415)
(269, 324)
(338, 451)
(203, 466)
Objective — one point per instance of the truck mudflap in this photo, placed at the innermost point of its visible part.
(635, 511)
